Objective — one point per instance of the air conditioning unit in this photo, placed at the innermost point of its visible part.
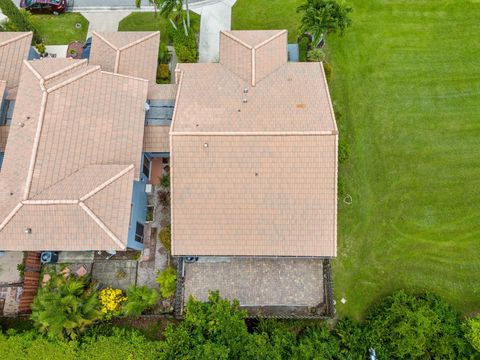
(148, 188)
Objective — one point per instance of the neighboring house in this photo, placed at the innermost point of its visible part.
(252, 142)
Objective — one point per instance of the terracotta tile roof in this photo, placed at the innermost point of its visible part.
(162, 91)
(254, 195)
(14, 48)
(72, 151)
(130, 53)
(156, 139)
(253, 55)
(215, 95)
(253, 154)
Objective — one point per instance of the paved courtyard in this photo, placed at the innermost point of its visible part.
(257, 282)
(115, 273)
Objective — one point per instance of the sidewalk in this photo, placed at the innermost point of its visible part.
(216, 16)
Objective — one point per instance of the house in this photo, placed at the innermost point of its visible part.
(252, 146)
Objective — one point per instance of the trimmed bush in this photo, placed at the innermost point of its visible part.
(167, 279)
(165, 237)
(303, 47)
(316, 55)
(163, 54)
(163, 74)
(163, 197)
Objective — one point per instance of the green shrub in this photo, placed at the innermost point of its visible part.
(19, 19)
(140, 299)
(472, 332)
(343, 149)
(327, 67)
(303, 47)
(138, 3)
(167, 279)
(316, 55)
(165, 180)
(165, 237)
(163, 74)
(163, 54)
(317, 343)
(416, 326)
(185, 46)
(41, 48)
(65, 306)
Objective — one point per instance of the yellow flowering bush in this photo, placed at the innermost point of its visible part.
(111, 300)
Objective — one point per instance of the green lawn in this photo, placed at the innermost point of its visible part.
(407, 81)
(60, 29)
(267, 14)
(147, 21)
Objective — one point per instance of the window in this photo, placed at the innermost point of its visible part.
(139, 233)
(146, 166)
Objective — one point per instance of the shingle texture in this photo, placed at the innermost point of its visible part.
(128, 53)
(14, 47)
(71, 157)
(156, 139)
(254, 168)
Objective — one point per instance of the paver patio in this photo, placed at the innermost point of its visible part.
(257, 282)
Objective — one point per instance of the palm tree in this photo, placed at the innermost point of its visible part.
(321, 17)
(65, 306)
(140, 299)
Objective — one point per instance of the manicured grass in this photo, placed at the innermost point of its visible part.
(147, 21)
(267, 15)
(406, 80)
(60, 29)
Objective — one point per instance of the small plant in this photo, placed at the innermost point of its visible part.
(167, 279)
(165, 237)
(139, 299)
(165, 180)
(21, 270)
(149, 213)
(111, 300)
(164, 55)
(164, 198)
(138, 3)
(121, 274)
(185, 45)
(41, 48)
(163, 74)
(316, 55)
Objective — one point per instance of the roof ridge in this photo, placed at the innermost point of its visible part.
(138, 41)
(34, 71)
(273, 37)
(106, 183)
(21, 35)
(114, 47)
(73, 78)
(50, 202)
(36, 143)
(253, 133)
(102, 225)
(74, 64)
(241, 42)
(10, 215)
(123, 75)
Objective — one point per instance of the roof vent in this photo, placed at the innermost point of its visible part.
(244, 100)
(146, 106)
(205, 145)
(245, 90)
(20, 124)
(28, 230)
